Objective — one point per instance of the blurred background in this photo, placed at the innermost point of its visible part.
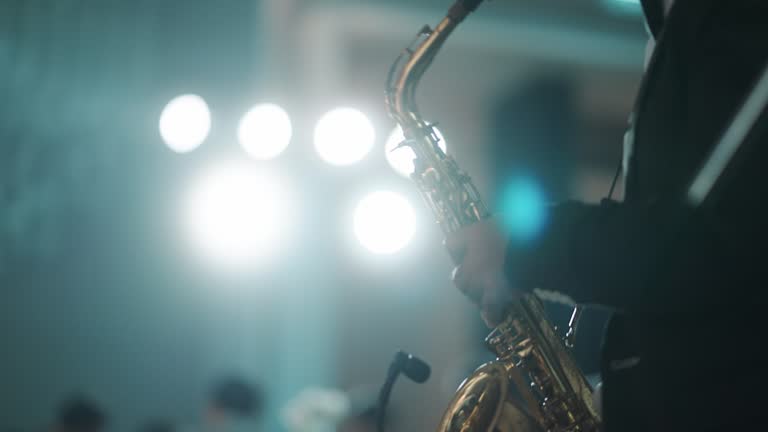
(191, 190)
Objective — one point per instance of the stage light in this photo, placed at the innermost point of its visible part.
(185, 123)
(384, 222)
(343, 136)
(237, 216)
(265, 131)
(524, 208)
(401, 158)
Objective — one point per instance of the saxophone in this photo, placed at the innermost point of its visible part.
(534, 384)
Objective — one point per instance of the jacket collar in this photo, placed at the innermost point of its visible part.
(654, 15)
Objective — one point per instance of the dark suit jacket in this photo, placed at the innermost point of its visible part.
(685, 349)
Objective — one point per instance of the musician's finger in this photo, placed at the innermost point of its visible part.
(490, 318)
(492, 313)
(456, 245)
(462, 279)
(495, 301)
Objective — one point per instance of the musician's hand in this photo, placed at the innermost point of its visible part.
(479, 251)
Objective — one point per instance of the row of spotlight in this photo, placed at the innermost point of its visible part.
(239, 217)
(342, 136)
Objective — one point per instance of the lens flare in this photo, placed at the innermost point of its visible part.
(344, 136)
(185, 123)
(384, 222)
(524, 208)
(265, 131)
(237, 217)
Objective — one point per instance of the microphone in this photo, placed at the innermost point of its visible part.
(413, 367)
(409, 365)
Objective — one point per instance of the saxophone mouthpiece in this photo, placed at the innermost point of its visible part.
(471, 5)
(462, 8)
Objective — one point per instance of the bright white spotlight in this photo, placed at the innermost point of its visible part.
(265, 131)
(237, 216)
(384, 222)
(185, 123)
(343, 136)
(401, 158)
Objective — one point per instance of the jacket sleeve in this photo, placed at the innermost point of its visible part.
(658, 258)
(644, 259)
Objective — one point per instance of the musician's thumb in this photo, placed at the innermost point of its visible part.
(456, 245)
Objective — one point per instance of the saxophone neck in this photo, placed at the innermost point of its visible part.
(406, 72)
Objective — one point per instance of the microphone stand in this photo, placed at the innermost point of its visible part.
(385, 392)
(412, 367)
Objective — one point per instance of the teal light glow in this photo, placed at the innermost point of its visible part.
(623, 6)
(524, 208)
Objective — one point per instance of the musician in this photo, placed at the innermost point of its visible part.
(683, 350)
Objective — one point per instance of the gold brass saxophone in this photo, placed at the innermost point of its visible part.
(534, 384)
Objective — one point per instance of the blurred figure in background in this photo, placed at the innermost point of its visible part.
(315, 410)
(541, 118)
(235, 405)
(360, 421)
(327, 409)
(363, 411)
(80, 414)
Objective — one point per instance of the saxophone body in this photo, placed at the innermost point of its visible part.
(534, 385)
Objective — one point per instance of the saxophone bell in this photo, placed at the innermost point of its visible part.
(483, 403)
